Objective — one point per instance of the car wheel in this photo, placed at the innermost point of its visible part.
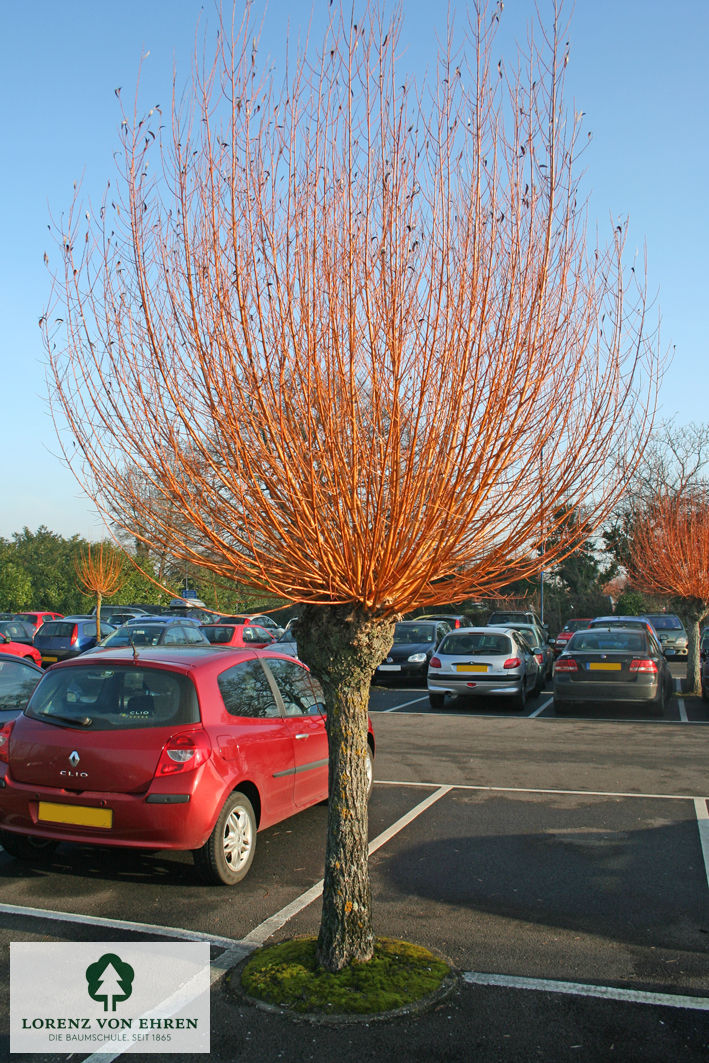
(436, 701)
(705, 693)
(27, 847)
(228, 852)
(520, 701)
(658, 705)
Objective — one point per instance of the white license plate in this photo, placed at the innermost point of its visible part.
(389, 668)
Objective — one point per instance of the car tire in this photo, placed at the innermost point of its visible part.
(520, 702)
(228, 853)
(705, 693)
(26, 847)
(436, 701)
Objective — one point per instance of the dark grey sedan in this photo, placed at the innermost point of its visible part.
(612, 666)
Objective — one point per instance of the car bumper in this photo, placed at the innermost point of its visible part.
(388, 673)
(599, 693)
(496, 687)
(157, 819)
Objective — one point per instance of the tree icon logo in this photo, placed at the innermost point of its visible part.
(110, 980)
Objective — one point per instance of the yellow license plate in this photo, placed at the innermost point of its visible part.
(471, 668)
(604, 666)
(77, 815)
(50, 659)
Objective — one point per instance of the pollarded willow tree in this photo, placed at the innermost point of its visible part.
(669, 554)
(351, 329)
(100, 571)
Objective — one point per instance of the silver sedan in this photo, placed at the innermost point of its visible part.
(484, 661)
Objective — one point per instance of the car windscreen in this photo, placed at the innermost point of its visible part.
(666, 623)
(472, 642)
(118, 697)
(413, 634)
(603, 641)
(136, 635)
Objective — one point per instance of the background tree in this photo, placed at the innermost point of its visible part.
(665, 494)
(100, 570)
(327, 323)
(670, 556)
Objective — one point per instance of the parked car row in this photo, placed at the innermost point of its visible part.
(47, 637)
(604, 659)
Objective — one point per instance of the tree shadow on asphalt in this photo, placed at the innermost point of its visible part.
(574, 867)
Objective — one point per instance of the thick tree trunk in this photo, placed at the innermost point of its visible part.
(693, 611)
(343, 645)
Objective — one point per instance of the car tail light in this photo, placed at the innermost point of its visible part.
(5, 741)
(75, 635)
(539, 658)
(456, 623)
(184, 752)
(435, 662)
(643, 665)
(569, 665)
(512, 662)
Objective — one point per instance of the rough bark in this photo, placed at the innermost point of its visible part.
(343, 645)
(693, 611)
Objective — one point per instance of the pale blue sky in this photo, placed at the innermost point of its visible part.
(638, 69)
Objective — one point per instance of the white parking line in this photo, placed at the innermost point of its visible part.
(118, 924)
(403, 706)
(536, 790)
(680, 701)
(269, 926)
(545, 985)
(700, 807)
(542, 707)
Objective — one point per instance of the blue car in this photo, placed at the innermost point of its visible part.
(58, 640)
(156, 631)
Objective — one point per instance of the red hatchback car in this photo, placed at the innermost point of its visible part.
(237, 635)
(187, 749)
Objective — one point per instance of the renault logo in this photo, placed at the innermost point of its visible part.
(74, 759)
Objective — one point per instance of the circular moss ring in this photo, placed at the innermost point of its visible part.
(400, 979)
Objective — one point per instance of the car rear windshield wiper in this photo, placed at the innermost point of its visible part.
(73, 721)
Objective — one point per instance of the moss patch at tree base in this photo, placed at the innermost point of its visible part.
(399, 976)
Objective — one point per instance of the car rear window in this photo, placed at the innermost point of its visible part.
(119, 697)
(58, 629)
(476, 642)
(600, 641)
(666, 623)
(218, 635)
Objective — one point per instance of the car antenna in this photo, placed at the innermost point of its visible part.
(133, 647)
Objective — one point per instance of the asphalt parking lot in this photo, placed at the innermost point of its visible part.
(562, 865)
